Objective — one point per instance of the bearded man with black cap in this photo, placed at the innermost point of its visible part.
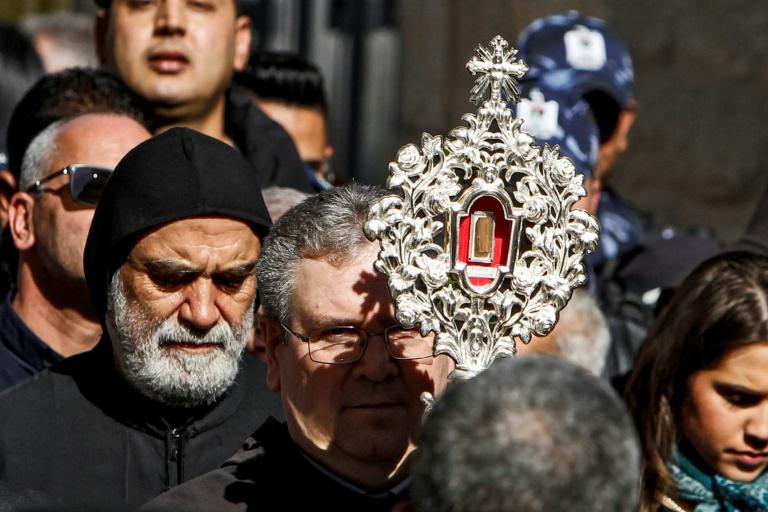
(165, 395)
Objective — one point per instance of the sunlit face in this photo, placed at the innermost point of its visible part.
(353, 415)
(180, 319)
(725, 415)
(178, 54)
(60, 224)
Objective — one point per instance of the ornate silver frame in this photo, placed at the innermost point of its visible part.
(493, 162)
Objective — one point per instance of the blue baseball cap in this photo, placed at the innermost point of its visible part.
(560, 118)
(579, 53)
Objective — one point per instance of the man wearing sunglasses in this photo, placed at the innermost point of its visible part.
(349, 376)
(66, 139)
(166, 394)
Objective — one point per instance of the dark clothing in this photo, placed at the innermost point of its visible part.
(22, 353)
(264, 143)
(269, 473)
(78, 435)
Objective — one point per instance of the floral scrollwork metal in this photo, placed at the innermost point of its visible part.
(489, 161)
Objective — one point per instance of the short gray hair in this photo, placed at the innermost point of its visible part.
(582, 334)
(328, 225)
(531, 434)
(37, 158)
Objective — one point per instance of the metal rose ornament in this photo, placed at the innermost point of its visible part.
(479, 240)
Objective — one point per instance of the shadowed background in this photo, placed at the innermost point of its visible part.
(395, 69)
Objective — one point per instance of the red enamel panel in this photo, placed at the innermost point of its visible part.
(502, 237)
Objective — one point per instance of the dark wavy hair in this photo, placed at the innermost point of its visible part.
(721, 306)
(284, 77)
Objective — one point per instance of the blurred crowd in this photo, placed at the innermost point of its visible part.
(192, 317)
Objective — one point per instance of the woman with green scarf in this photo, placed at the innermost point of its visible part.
(699, 392)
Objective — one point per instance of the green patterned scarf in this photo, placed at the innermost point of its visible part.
(713, 493)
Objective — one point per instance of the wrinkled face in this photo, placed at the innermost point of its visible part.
(60, 224)
(725, 416)
(306, 126)
(180, 309)
(178, 54)
(361, 413)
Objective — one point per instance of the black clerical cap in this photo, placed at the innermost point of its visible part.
(178, 174)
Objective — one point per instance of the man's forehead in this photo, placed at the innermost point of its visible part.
(348, 292)
(107, 4)
(197, 236)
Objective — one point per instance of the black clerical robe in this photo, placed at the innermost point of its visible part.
(271, 473)
(77, 437)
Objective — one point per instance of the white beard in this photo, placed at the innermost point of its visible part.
(147, 360)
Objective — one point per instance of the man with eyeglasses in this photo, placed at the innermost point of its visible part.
(350, 377)
(66, 135)
(166, 394)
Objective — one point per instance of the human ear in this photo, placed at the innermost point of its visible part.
(273, 338)
(242, 42)
(20, 221)
(7, 188)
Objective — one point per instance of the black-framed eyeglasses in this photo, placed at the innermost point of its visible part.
(86, 182)
(346, 344)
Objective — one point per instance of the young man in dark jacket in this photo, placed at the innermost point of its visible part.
(180, 56)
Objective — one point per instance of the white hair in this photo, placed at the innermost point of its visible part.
(39, 154)
(582, 334)
(172, 376)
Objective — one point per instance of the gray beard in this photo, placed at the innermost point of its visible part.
(170, 375)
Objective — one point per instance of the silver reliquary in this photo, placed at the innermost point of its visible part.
(479, 239)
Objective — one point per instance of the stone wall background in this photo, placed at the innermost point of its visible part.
(697, 150)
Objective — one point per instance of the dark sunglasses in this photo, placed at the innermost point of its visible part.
(86, 182)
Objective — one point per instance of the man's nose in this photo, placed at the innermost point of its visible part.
(199, 309)
(171, 17)
(376, 364)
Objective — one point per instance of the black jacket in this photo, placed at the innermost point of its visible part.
(22, 353)
(78, 438)
(264, 143)
(269, 473)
